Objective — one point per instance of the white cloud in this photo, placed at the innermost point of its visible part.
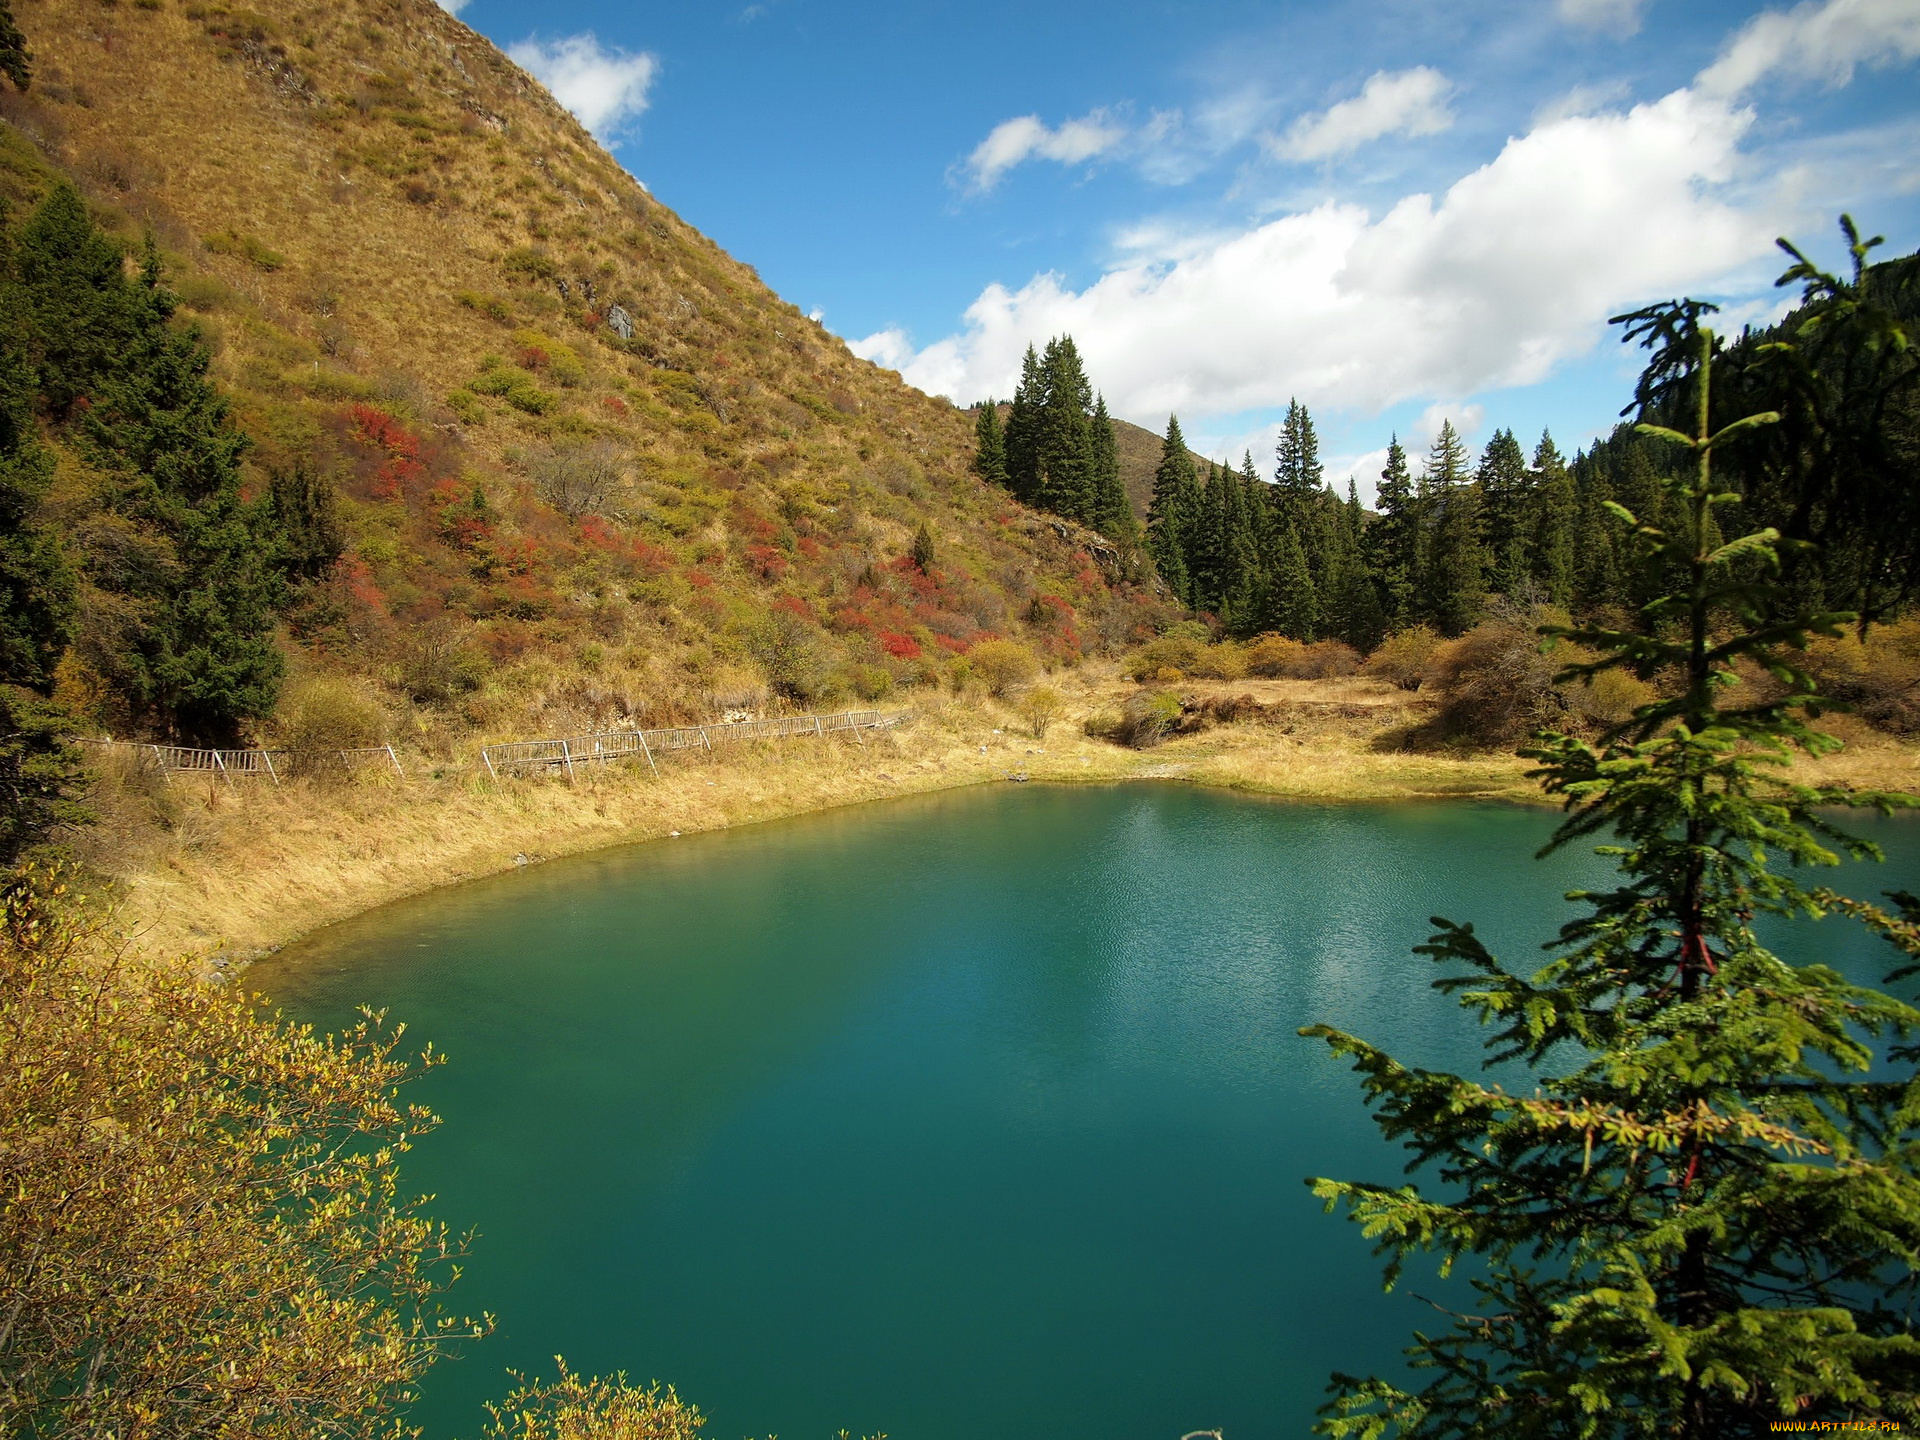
(1406, 102)
(1012, 142)
(1467, 420)
(1815, 41)
(1619, 18)
(453, 7)
(1583, 100)
(891, 350)
(1510, 272)
(604, 88)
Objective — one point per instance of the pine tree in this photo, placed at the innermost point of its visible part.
(1173, 513)
(38, 590)
(1022, 433)
(1705, 1216)
(1297, 475)
(1506, 512)
(193, 650)
(1291, 604)
(1393, 540)
(989, 445)
(77, 309)
(16, 61)
(1112, 514)
(1453, 585)
(923, 553)
(1554, 514)
(1350, 597)
(1060, 432)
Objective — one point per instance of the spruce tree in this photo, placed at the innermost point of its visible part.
(1700, 1215)
(192, 652)
(1291, 604)
(989, 445)
(37, 585)
(1173, 514)
(1506, 512)
(1061, 446)
(1022, 432)
(1297, 476)
(16, 61)
(1555, 511)
(1112, 515)
(1454, 582)
(1393, 540)
(1350, 596)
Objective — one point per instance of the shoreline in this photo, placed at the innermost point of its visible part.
(232, 877)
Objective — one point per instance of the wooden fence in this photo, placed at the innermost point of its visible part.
(229, 765)
(573, 751)
(567, 753)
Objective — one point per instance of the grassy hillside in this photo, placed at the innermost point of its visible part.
(417, 274)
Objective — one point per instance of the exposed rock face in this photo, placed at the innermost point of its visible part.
(620, 322)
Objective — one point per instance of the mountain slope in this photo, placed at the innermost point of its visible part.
(585, 462)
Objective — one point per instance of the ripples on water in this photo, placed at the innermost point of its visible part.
(972, 1114)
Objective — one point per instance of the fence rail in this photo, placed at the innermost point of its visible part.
(229, 765)
(570, 752)
(566, 753)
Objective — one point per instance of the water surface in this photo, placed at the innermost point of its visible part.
(973, 1114)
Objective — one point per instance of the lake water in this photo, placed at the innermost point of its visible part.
(976, 1114)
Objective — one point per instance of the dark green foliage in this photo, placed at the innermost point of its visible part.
(1841, 470)
(1107, 507)
(1022, 433)
(1173, 517)
(40, 774)
(990, 446)
(303, 513)
(79, 312)
(16, 61)
(37, 585)
(1555, 509)
(1507, 508)
(1293, 604)
(1700, 1212)
(923, 549)
(1392, 542)
(1453, 590)
(186, 577)
(1058, 449)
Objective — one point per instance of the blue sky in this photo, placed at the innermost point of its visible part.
(1396, 211)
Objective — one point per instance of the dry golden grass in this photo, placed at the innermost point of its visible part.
(201, 867)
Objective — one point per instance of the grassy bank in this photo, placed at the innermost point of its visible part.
(205, 870)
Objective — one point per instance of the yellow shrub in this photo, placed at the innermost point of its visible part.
(1404, 658)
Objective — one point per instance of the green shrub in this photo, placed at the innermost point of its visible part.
(466, 407)
(1040, 707)
(247, 248)
(1003, 665)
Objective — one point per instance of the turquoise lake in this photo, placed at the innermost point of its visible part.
(968, 1115)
